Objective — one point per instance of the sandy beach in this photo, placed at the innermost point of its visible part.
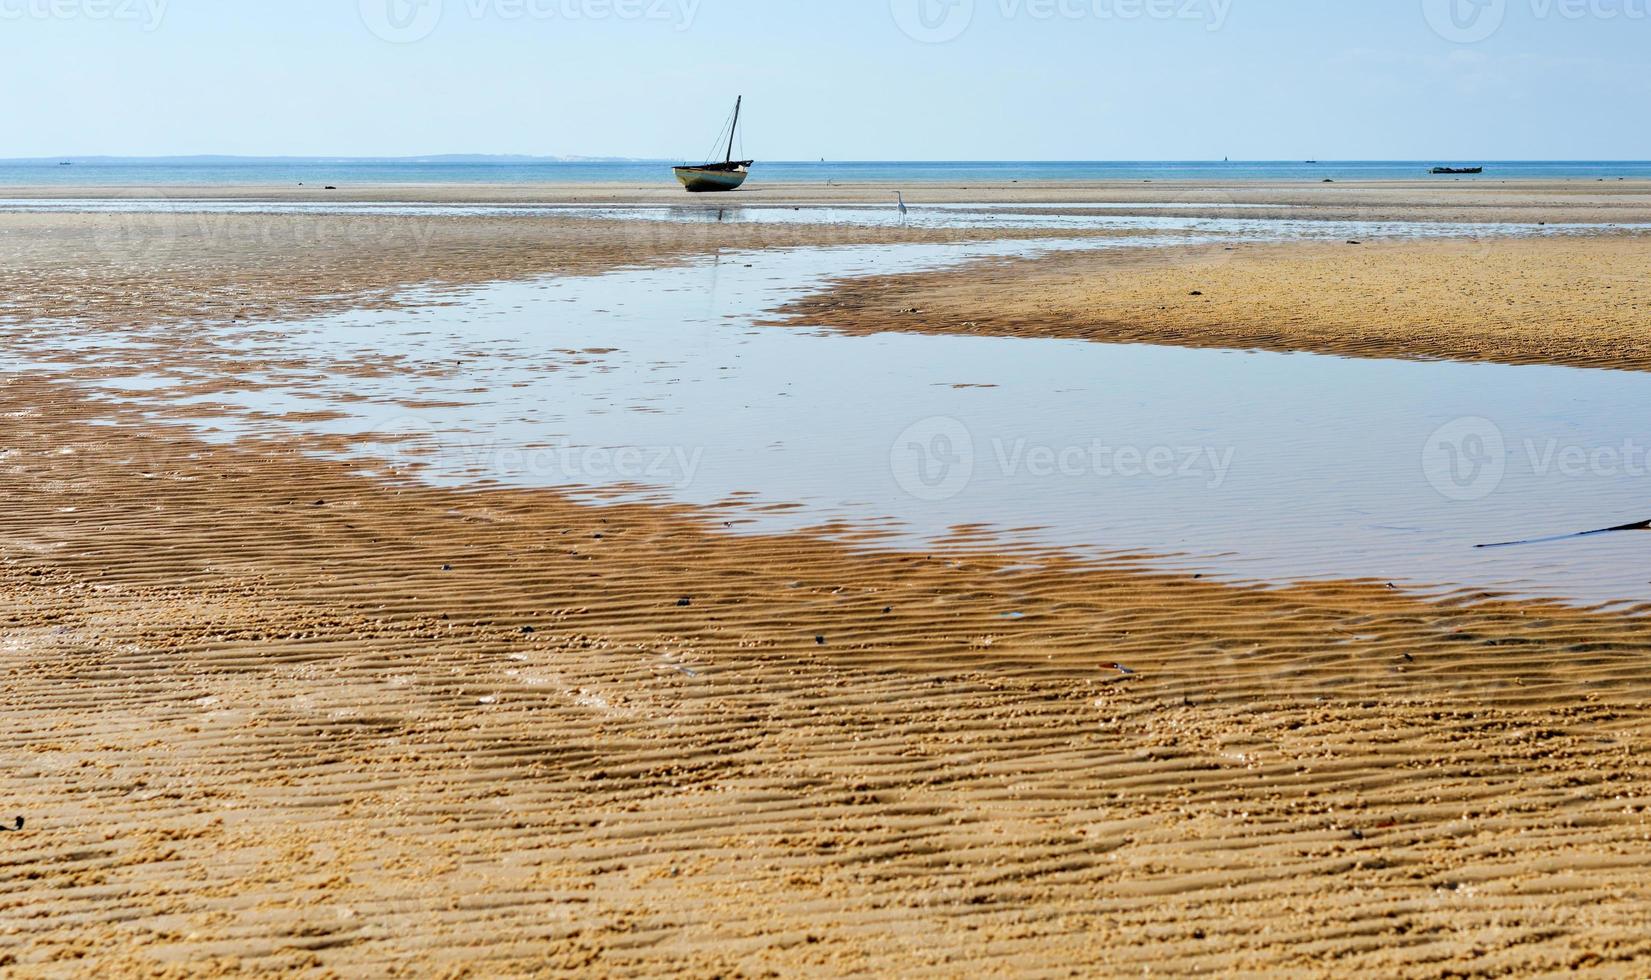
(1574, 300)
(271, 709)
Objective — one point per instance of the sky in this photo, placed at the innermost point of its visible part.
(841, 79)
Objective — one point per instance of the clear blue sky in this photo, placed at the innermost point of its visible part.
(1026, 79)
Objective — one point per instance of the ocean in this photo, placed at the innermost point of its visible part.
(231, 171)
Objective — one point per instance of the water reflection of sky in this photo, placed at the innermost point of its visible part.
(1279, 222)
(1251, 465)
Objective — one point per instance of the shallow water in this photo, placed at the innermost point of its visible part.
(1254, 466)
(1267, 221)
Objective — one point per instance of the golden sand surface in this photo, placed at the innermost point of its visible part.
(1578, 300)
(265, 713)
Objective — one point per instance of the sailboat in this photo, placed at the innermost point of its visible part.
(724, 176)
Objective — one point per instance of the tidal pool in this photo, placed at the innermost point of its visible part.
(661, 384)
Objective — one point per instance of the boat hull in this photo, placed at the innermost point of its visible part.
(699, 180)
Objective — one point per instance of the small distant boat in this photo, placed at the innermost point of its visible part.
(1458, 170)
(725, 176)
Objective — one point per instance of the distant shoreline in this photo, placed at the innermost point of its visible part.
(1416, 199)
(83, 172)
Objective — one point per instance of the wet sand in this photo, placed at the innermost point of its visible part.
(265, 713)
(1582, 301)
(1441, 199)
(125, 269)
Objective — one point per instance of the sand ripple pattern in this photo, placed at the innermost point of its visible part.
(263, 714)
(1577, 300)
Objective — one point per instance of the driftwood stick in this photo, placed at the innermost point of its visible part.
(1641, 526)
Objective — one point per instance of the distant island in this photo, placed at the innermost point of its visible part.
(229, 160)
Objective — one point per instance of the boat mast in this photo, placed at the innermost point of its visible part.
(734, 129)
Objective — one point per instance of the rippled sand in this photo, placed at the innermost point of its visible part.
(265, 712)
(1577, 300)
(126, 269)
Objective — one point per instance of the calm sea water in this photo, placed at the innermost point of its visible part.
(121, 172)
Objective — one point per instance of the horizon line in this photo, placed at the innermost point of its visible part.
(589, 159)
